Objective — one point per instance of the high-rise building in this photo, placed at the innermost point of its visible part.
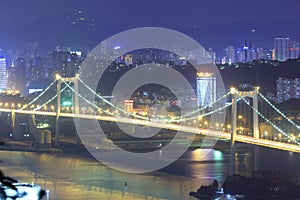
(128, 59)
(294, 50)
(287, 89)
(129, 106)
(212, 55)
(35, 69)
(246, 52)
(230, 55)
(239, 55)
(65, 62)
(261, 53)
(2, 73)
(282, 47)
(20, 74)
(16, 75)
(206, 88)
(31, 49)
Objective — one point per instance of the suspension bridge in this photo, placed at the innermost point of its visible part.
(276, 137)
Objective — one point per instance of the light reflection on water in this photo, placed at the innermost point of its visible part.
(60, 190)
(80, 178)
(69, 177)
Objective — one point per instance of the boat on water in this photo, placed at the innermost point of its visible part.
(13, 190)
(21, 191)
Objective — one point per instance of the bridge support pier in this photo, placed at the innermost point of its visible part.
(57, 121)
(255, 115)
(233, 135)
(16, 131)
(252, 94)
(32, 125)
(76, 109)
(256, 158)
(57, 131)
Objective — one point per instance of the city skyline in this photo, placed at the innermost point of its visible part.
(149, 99)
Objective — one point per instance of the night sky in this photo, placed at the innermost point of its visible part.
(204, 20)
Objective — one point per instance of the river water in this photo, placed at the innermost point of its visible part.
(71, 177)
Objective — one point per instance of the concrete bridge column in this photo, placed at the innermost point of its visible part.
(57, 121)
(32, 125)
(256, 158)
(233, 134)
(255, 115)
(16, 131)
(76, 109)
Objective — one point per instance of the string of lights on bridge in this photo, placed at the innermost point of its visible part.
(181, 118)
(39, 96)
(206, 106)
(178, 119)
(49, 101)
(273, 125)
(278, 111)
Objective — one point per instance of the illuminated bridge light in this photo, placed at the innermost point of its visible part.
(161, 123)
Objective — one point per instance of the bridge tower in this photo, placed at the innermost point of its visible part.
(235, 95)
(75, 105)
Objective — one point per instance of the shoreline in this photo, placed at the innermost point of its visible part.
(79, 150)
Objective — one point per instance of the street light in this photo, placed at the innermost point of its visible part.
(266, 134)
(206, 123)
(57, 76)
(229, 127)
(232, 90)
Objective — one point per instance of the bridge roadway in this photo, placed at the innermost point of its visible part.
(177, 127)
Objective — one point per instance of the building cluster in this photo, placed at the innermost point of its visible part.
(284, 49)
(17, 72)
(287, 89)
(2, 73)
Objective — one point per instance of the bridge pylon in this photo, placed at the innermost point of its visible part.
(75, 105)
(235, 95)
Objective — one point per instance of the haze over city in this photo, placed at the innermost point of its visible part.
(214, 24)
(159, 99)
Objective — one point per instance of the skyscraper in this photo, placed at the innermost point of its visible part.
(295, 50)
(206, 88)
(36, 70)
(245, 48)
(230, 55)
(20, 74)
(2, 73)
(65, 62)
(282, 46)
(212, 55)
(287, 89)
